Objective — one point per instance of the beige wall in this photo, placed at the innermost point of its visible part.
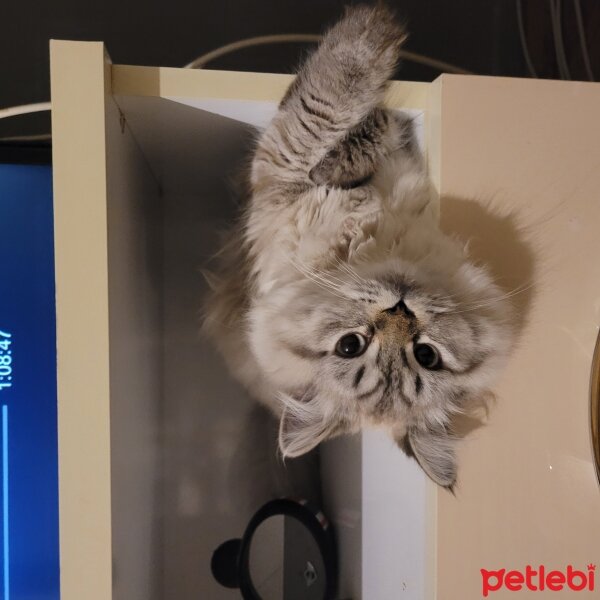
(520, 176)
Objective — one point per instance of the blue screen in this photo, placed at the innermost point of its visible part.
(29, 510)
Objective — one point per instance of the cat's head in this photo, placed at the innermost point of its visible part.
(396, 343)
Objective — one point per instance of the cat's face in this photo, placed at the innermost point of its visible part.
(351, 347)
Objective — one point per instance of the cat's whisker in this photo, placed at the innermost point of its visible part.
(322, 282)
(335, 280)
(478, 303)
(350, 271)
(332, 279)
(492, 301)
(517, 290)
(323, 277)
(309, 269)
(448, 298)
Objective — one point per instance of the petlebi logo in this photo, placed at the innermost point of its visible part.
(538, 580)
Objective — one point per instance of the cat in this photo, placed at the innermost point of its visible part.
(338, 302)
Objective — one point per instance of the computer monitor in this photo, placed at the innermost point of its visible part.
(30, 564)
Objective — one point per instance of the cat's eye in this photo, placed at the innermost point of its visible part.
(427, 356)
(351, 345)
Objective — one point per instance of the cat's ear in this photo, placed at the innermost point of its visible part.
(304, 426)
(434, 450)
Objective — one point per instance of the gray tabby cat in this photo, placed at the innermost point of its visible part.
(339, 303)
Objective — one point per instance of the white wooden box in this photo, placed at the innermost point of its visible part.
(150, 423)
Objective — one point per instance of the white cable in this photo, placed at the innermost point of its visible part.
(440, 65)
(203, 60)
(284, 38)
(559, 29)
(523, 39)
(583, 40)
(561, 71)
(24, 109)
(39, 137)
(561, 59)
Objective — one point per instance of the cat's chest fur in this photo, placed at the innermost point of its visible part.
(324, 224)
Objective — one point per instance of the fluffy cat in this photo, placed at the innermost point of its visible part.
(339, 303)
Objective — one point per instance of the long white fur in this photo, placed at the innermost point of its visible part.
(311, 263)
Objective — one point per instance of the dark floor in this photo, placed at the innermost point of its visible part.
(480, 36)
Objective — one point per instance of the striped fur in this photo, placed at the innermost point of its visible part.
(339, 236)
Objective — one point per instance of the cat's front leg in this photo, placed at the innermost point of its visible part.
(335, 91)
(355, 159)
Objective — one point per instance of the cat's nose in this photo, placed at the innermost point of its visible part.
(397, 328)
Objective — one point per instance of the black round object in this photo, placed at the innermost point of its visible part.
(306, 554)
(224, 563)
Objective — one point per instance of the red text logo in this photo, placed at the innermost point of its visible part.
(538, 580)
